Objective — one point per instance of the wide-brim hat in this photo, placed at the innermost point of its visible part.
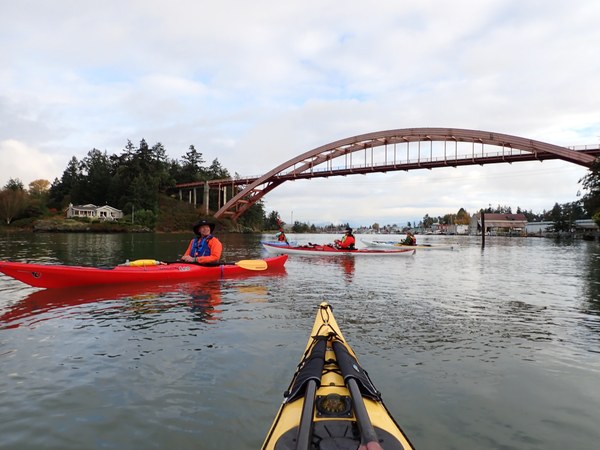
(348, 230)
(197, 225)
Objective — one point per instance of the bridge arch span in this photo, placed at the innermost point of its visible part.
(319, 162)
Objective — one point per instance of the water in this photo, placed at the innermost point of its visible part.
(472, 349)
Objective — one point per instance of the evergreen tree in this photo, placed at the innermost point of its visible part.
(97, 173)
(591, 200)
(191, 169)
(68, 188)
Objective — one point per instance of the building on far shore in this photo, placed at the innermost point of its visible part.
(499, 224)
(94, 212)
(539, 228)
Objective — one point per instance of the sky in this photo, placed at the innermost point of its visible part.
(254, 84)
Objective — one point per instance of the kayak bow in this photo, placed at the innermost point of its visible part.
(331, 401)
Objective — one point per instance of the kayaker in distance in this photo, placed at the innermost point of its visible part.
(204, 248)
(281, 237)
(410, 239)
(347, 242)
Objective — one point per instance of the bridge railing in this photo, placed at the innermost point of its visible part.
(584, 147)
(401, 155)
(411, 160)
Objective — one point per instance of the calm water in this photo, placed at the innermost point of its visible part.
(472, 349)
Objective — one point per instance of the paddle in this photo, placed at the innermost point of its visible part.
(248, 264)
(307, 380)
(352, 371)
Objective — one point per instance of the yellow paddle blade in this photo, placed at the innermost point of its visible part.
(144, 262)
(252, 264)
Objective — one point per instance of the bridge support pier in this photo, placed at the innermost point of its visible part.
(206, 197)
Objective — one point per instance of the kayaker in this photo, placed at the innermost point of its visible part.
(347, 242)
(205, 247)
(410, 239)
(281, 237)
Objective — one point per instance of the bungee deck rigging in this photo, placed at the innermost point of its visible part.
(331, 401)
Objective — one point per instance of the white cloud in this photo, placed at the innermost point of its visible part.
(256, 83)
(19, 161)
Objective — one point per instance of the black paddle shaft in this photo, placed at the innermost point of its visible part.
(358, 383)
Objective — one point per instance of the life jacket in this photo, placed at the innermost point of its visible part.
(200, 246)
(345, 238)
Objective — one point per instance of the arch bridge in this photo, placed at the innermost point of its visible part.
(386, 151)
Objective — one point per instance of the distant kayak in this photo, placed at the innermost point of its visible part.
(329, 250)
(331, 402)
(281, 243)
(396, 244)
(59, 276)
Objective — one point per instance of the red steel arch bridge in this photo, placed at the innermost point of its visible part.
(383, 151)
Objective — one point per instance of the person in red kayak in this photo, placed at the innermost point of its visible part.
(204, 248)
(347, 242)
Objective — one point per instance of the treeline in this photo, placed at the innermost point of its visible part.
(137, 181)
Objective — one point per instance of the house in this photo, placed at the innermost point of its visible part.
(586, 225)
(499, 223)
(94, 212)
(539, 228)
(457, 229)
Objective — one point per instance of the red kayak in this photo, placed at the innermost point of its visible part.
(58, 276)
(330, 250)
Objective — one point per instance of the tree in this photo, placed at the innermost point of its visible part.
(14, 184)
(68, 188)
(191, 169)
(591, 200)
(216, 171)
(97, 172)
(254, 217)
(427, 221)
(39, 188)
(560, 217)
(272, 221)
(13, 200)
(300, 227)
(462, 217)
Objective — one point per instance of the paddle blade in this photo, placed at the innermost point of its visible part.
(252, 264)
(142, 263)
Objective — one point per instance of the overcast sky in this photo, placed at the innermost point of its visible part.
(257, 83)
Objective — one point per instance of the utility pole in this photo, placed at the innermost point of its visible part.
(482, 229)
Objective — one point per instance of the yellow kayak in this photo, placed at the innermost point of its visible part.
(331, 402)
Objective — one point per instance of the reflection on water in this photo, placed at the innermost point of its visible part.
(472, 348)
(591, 268)
(132, 302)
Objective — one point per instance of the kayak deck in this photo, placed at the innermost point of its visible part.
(329, 250)
(397, 245)
(60, 276)
(331, 401)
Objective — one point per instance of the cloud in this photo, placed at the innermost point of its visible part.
(256, 83)
(25, 163)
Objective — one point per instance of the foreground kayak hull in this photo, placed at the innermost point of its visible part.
(331, 402)
(59, 276)
(327, 250)
(397, 245)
